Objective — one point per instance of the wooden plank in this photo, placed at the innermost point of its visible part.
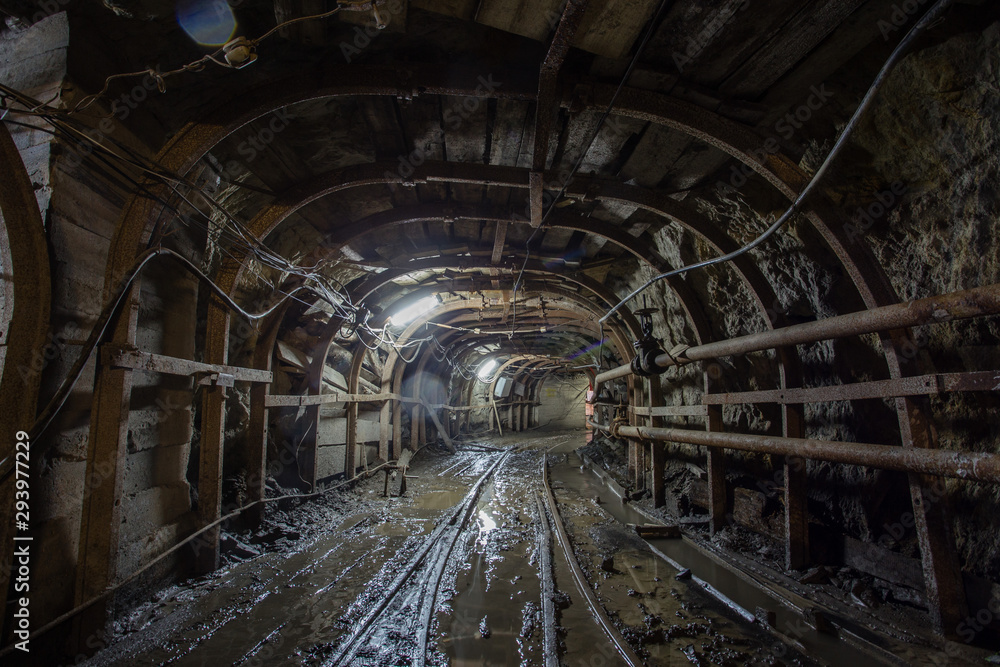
(672, 411)
(793, 42)
(707, 44)
(920, 385)
(499, 241)
(210, 457)
(462, 9)
(97, 566)
(535, 198)
(535, 19)
(158, 363)
(610, 28)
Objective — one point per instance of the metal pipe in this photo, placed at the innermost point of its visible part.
(944, 463)
(974, 302)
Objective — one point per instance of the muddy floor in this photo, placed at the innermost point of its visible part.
(452, 573)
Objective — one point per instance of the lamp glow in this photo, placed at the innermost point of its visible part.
(487, 369)
(411, 313)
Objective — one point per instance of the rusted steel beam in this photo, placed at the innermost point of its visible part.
(965, 304)
(158, 363)
(793, 469)
(536, 197)
(912, 386)
(547, 103)
(305, 400)
(972, 466)
(943, 582)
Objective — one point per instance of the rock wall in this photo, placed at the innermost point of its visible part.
(918, 185)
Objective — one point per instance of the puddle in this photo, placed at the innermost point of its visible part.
(490, 619)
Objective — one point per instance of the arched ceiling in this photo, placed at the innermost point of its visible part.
(482, 141)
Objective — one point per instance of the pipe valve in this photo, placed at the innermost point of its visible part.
(648, 348)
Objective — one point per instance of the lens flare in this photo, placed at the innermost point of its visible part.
(589, 348)
(208, 22)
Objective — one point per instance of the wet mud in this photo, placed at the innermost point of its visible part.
(450, 574)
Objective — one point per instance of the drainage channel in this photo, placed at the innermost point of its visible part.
(721, 582)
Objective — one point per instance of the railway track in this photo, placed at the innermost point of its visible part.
(600, 616)
(550, 643)
(410, 600)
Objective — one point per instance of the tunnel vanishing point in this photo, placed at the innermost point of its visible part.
(408, 332)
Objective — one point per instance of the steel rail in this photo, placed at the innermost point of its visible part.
(550, 643)
(348, 651)
(964, 304)
(973, 466)
(624, 650)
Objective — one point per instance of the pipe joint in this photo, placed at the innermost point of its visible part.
(644, 361)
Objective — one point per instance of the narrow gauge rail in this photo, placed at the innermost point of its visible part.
(430, 560)
(600, 616)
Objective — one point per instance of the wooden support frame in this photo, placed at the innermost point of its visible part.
(107, 448)
(119, 357)
(258, 427)
(213, 424)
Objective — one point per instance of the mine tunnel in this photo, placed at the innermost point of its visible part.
(496, 332)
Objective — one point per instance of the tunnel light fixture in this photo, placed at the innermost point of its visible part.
(486, 369)
(411, 313)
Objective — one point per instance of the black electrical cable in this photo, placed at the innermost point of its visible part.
(930, 17)
(46, 416)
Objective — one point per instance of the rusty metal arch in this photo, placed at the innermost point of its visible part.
(583, 187)
(734, 139)
(194, 140)
(532, 290)
(27, 290)
(867, 275)
(365, 286)
(27, 302)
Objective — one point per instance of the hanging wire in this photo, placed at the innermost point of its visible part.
(930, 17)
(213, 58)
